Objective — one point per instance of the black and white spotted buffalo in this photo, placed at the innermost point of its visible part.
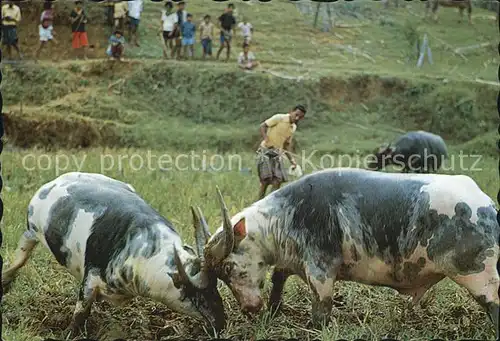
(403, 231)
(117, 246)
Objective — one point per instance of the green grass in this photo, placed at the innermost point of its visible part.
(42, 299)
(211, 107)
(182, 105)
(289, 43)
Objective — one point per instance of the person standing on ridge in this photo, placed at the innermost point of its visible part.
(226, 25)
(11, 17)
(135, 8)
(78, 22)
(206, 36)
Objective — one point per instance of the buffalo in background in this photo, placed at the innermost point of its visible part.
(416, 151)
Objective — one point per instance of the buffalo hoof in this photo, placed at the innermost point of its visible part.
(6, 285)
(319, 321)
(275, 308)
(317, 324)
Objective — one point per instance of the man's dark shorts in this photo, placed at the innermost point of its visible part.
(167, 37)
(133, 22)
(9, 35)
(225, 37)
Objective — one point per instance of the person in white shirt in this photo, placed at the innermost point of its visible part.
(169, 24)
(135, 8)
(246, 31)
(246, 59)
(46, 30)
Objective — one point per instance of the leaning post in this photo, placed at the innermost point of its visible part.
(1, 185)
(423, 50)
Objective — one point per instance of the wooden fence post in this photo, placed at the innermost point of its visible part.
(316, 15)
(425, 48)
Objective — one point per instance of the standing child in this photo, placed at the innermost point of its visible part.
(226, 24)
(181, 18)
(11, 17)
(206, 36)
(169, 23)
(135, 9)
(78, 21)
(246, 31)
(120, 14)
(188, 32)
(45, 29)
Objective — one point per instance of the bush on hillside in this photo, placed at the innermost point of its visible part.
(482, 145)
(35, 85)
(457, 112)
(222, 98)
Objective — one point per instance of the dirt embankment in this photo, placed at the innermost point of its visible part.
(459, 112)
(154, 105)
(340, 93)
(55, 131)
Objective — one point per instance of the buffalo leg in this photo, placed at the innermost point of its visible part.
(321, 285)
(86, 297)
(321, 310)
(25, 247)
(278, 279)
(417, 294)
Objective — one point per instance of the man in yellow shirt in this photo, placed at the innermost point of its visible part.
(277, 133)
(120, 14)
(11, 17)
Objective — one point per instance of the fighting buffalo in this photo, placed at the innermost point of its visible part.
(403, 231)
(117, 246)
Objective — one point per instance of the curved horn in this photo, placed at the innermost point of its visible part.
(228, 228)
(383, 147)
(204, 225)
(199, 234)
(199, 281)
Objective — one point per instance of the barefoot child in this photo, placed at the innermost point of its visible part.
(116, 45)
(246, 59)
(45, 29)
(226, 25)
(206, 36)
(188, 33)
(246, 31)
(169, 23)
(78, 27)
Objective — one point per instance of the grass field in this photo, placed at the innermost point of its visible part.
(41, 302)
(62, 111)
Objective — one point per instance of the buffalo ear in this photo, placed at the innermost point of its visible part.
(240, 231)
